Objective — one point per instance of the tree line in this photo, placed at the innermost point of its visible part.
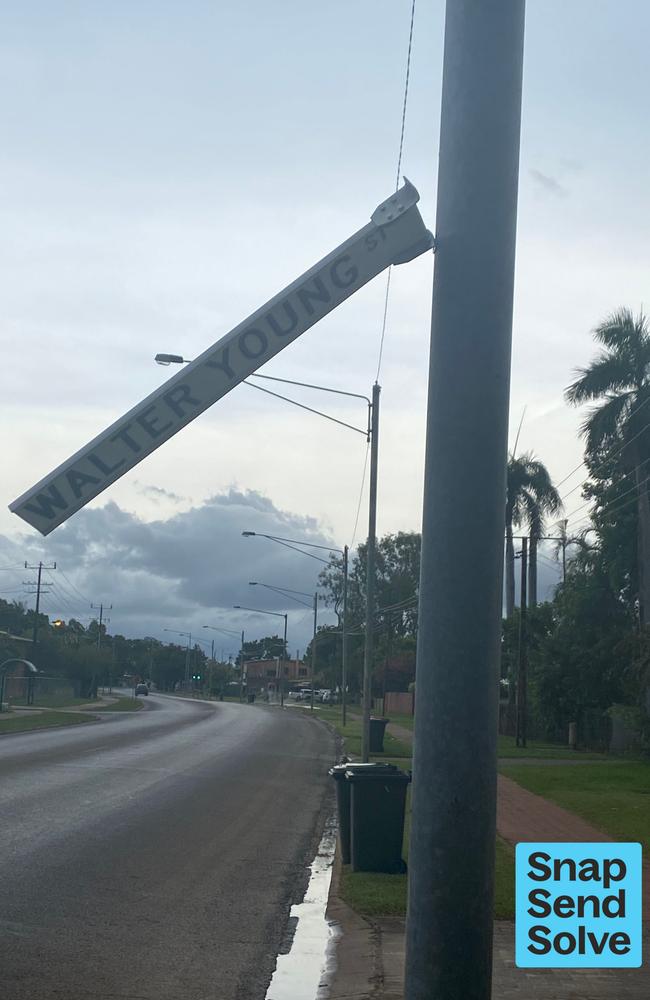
(588, 646)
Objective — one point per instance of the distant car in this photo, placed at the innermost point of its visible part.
(141, 689)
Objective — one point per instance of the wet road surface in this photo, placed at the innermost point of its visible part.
(154, 856)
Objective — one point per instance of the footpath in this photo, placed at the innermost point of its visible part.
(370, 952)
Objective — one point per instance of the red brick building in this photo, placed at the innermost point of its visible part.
(263, 675)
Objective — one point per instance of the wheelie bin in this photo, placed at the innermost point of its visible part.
(377, 730)
(338, 772)
(377, 808)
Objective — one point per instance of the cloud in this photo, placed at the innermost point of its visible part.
(155, 493)
(183, 572)
(549, 184)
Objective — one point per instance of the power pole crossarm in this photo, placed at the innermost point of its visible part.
(39, 585)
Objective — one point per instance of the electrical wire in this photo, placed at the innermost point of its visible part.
(397, 175)
(363, 483)
(613, 504)
(75, 588)
(573, 471)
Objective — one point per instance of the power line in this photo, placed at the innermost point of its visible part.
(573, 471)
(614, 454)
(85, 599)
(397, 175)
(613, 504)
(363, 483)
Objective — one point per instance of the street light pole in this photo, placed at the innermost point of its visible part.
(284, 661)
(241, 670)
(451, 856)
(344, 639)
(313, 650)
(370, 573)
(276, 614)
(292, 543)
(187, 652)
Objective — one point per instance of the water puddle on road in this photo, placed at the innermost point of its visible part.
(303, 972)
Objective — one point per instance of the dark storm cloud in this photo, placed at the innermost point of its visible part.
(183, 571)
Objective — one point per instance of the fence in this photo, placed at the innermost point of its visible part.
(594, 729)
(399, 703)
(43, 692)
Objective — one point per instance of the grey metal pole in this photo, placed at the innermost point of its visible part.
(520, 727)
(370, 574)
(313, 649)
(187, 661)
(451, 857)
(344, 639)
(241, 671)
(99, 630)
(284, 660)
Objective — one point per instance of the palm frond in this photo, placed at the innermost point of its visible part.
(621, 331)
(604, 424)
(608, 372)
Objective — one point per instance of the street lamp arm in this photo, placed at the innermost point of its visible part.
(278, 538)
(310, 409)
(308, 385)
(285, 593)
(311, 555)
(259, 611)
(226, 631)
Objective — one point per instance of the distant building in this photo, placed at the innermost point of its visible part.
(263, 675)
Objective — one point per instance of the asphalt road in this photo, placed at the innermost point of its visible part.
(155, 855)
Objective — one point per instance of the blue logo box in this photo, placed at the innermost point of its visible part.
(578, 906)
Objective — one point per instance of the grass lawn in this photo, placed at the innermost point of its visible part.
(613, 796)
(123, 704)
(506, 749)
(378, 894)
(351, 733)
(11, 723)
(52, 701)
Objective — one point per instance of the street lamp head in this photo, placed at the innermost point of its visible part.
(249, 534)
(252, 583)
(237, 607)
(169, 359)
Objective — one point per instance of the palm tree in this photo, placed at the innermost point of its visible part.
(530, 497)
(619, 377)
(577, 541)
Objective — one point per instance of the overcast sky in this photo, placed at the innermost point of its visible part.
(166, 168)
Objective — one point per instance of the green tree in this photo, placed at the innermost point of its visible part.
(530, 497)
(619, 380)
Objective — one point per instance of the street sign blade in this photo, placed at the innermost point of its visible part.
(396, 233)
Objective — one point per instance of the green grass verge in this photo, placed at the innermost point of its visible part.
(506, 748)
(613, 796)
(123, 704)
(378, 894)
(352, 731)
(51, 701)
(24, 723)
(374, 894)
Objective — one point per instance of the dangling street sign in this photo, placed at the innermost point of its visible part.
(395, 234)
